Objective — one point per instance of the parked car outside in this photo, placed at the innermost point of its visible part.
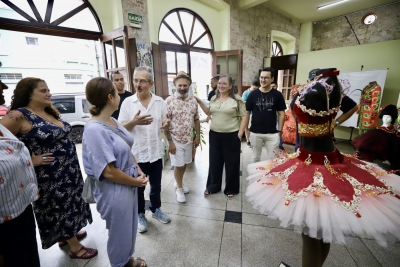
(74, 109)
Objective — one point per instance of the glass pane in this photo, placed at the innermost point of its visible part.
(204, 42)
(41, 6)
(173, 22)
(187, 21)
(221, 65)
(60, 8)
(119, 46)
(182, 62)
(8, 13)
(197, 30)
(171, 62)
(84, 20)
(285, 81)
(109, 55)
(171, 86)
(200, 72)
(167, 36)
(233, 64)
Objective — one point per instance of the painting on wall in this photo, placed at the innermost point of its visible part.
(144, 55)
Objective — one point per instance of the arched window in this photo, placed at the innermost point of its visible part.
(276, 49)
(184, 27)
(72, 18)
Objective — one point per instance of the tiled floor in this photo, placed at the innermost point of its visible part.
(215, 231)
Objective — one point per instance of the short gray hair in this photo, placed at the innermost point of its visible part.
(149, 71)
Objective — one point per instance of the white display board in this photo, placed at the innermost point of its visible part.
(358, 80)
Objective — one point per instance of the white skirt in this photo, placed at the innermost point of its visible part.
(320, 214)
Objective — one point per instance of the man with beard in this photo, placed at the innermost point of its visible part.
(182, 111)
(118, 81)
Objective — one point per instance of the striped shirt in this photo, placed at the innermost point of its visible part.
(18, 184)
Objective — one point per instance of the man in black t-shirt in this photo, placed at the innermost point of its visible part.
(265, 104)
(214, 84)
(118, 80)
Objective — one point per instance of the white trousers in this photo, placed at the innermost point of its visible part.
(270, 141)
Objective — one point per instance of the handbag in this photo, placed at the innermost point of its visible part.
(88, 186)
(87, 191)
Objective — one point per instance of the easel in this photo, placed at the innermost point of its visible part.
(351, 135)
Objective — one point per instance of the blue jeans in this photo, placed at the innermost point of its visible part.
(281, 140)
(154, 172)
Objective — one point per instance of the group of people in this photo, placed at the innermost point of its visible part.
(122, 151)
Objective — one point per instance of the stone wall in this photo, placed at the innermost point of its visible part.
(249, 29)
(335, 33)
(138, 7)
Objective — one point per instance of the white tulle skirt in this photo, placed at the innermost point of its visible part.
(377, 216)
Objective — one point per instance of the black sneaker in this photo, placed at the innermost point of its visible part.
(248, 144)
(281, 148)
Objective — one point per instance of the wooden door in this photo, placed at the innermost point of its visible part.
(160, 70)
(229, 62)
(285, 73)
(119, 54)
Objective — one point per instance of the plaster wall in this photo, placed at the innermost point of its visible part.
(335, 33)
(249, 29)
(350, 59)
(109, 13)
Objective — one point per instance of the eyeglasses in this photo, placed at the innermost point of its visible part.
(142, 82)
(264, 78)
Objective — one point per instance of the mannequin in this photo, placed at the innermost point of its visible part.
(386, 120)
(318, 190)
(367, 146)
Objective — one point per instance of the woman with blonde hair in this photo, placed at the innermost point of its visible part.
(227, 111)
(107, 158)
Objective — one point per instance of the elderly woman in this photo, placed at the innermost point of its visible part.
(107, 158)
(228, 112)
(60, 210)
(18, 245)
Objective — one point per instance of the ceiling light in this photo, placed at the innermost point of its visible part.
(369, 18)
(332, 4)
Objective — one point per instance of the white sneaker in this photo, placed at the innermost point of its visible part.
(180, 196)
(185, 188)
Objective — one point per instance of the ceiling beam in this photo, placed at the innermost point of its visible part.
(246, 4)
(216, 4)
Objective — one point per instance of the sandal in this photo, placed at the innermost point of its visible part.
(89, 253)
(229, 196)
(80, 235)
(138, 262)
(207, 192)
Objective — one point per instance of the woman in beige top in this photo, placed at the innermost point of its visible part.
(228, 112)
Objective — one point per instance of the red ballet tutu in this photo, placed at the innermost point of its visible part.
(327, 195)
(374, 144)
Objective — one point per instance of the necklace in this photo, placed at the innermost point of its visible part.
(266, 95)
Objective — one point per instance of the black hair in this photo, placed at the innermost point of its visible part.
(271, 70)
(256, 82)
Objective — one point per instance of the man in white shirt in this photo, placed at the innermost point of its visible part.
(146, 132)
